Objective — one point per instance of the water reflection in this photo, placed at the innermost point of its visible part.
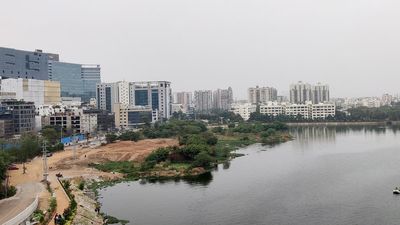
(201, 180)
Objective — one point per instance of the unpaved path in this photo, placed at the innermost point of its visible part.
(72, 164)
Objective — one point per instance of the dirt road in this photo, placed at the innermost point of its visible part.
(72, 164)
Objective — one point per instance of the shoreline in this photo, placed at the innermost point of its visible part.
(352, 123)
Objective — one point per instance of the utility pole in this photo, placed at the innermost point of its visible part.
(75, 141)
(45, 169)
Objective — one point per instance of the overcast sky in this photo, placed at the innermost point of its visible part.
(353, 45)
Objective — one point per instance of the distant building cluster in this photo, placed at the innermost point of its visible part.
(39, 90)
(135, 103)
(273, 109)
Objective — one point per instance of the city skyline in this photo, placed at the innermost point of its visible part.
(266, 43)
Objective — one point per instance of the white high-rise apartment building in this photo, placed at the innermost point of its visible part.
(262, 94)
(223, 99)
(320, 93)
(184, 99)
(123, 92)
(301, 93)
(203, 101)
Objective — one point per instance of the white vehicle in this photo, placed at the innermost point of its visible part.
(396, 191)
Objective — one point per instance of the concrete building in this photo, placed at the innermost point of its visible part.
(128, 117)
(244, 110)
(184, 99)
(89, 122)
(322, 110)
(301, 93)
(6, 122)
(320, 93)
(203, 101)
(107, 96)
(69, 122)
(272, 109)
(124, 93)
(40, 92)
(222, 99)
(259, 95)
(25, 64)
(156, 94)
(23, 115)
(302, 110)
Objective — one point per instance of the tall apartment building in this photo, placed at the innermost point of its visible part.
(184, 99)
(262, 94)
(301, 93)
(124, 93)
(107, 96)
(203, 101)
(223, 99)
(40, 92)
(25, 64)
(320, 93)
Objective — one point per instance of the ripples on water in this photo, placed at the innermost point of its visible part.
(327, 175)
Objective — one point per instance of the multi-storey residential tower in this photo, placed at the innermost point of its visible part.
(300, 93)
(222, 99)
(320, 93)
(262, 94)
(203, 101)
(184, 99)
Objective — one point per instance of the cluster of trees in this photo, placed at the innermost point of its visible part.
(197, 149)
(125, 136)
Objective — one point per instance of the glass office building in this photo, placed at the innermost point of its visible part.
(70, 77)
(76, 80)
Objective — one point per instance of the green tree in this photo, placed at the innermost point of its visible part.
(111, 138)
(50, 134)
(203, 159)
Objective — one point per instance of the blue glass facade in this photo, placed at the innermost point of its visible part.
(154, 99)
(139, 117)
(141, 97)
(108, 99)
(90, 78)
(70, 77)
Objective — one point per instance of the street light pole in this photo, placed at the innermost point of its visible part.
(45, 168)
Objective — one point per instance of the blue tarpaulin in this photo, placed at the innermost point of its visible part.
(68, 140)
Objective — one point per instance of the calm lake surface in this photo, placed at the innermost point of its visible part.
(326, 176)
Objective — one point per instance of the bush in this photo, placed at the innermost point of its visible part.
(158, 155)
(81, 185)
(130, 136)
(202, 160)
(111, 138)
(191, 151)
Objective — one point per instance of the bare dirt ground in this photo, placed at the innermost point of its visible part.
(119, 151)
(76, 165)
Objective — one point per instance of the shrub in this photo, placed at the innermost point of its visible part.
(158, 155)
(203, 159)
(81, 185)
(111, 138)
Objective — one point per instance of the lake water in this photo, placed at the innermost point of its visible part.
(326, 176)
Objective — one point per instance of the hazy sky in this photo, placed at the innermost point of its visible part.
(353, 45)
